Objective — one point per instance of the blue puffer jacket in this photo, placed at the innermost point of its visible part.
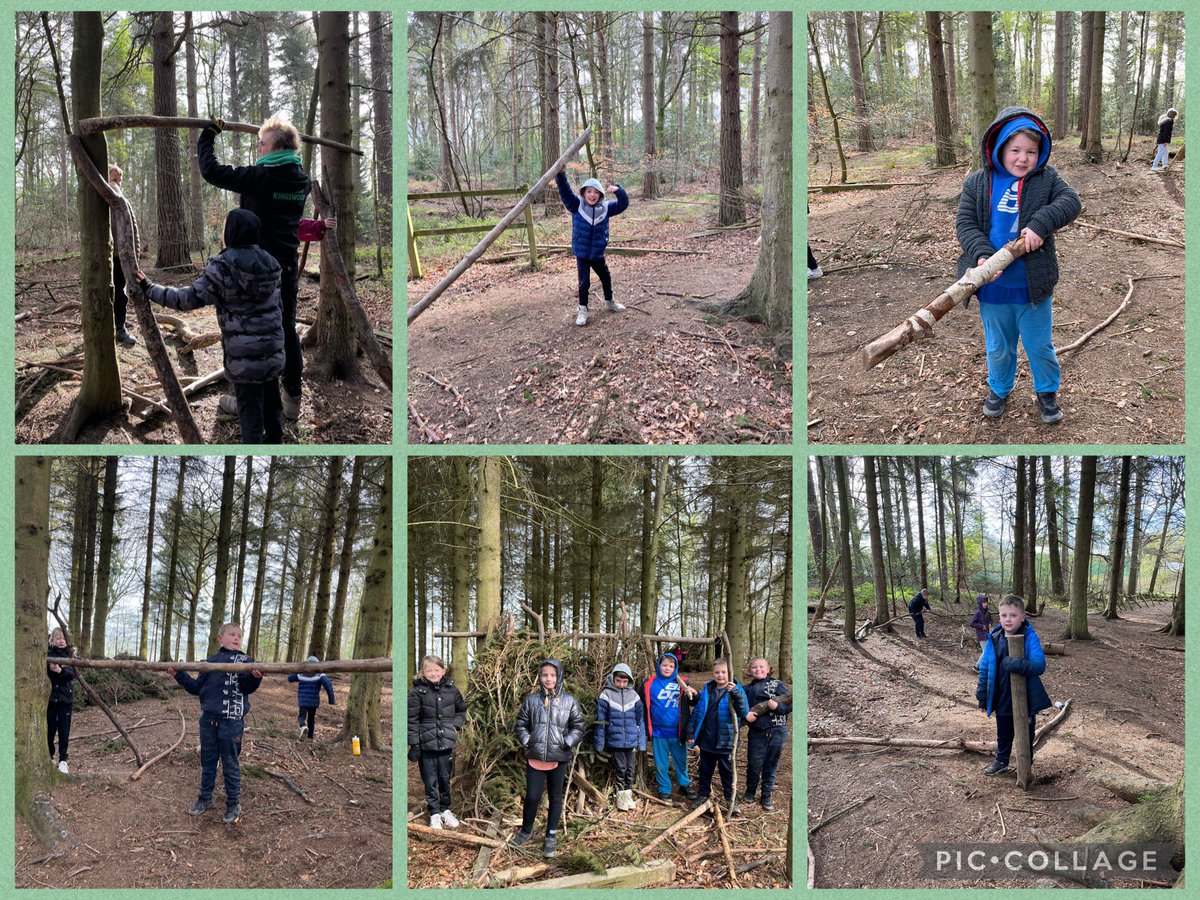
(1032, 666)
(620, 719)
(589, 224)
(308, 693)
(759, 691)
(223, 695)
(725, 726)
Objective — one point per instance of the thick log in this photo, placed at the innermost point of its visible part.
(920, 325)
(180, 411)
(1022, 746)
(675, 826)
(364, 330)
(761, 709)
(1051, 649)
(456, 836)
(379, 664)
(950, 744)
(511, 216)
(182, 731)
(661, 871)
(109, 123)
(518, 873)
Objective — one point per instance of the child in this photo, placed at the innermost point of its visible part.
(994, 691)
(666, 696)
(120, 300)
(549, 727)
(712, 727)
(242, 281)
(768, 732)
(916, 608)
(308, 697)
(1016, 194)
(621, 729)
(436, 714)
(1162, 153)
(982, 623)
(589, 236)
(224, 702)
(62, 699)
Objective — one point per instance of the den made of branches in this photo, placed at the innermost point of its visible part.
(900, 106)
(1092, 548)
(133, 566)
(135, 136)
(686, 117)
(593, 562)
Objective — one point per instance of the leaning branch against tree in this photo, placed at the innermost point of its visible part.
(920, 325)
(109, 123)
(379, 664)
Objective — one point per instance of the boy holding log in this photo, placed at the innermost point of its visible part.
(1016, 194)
(994, 689)
(589, 235)
(768, 730)
(224, 702)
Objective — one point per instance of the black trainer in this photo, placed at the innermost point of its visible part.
(767, 805)
(200, 807)
(1048, 404)
(993, 406)
(998, 768)
(233, 814)
(519, 838)
(548, 846)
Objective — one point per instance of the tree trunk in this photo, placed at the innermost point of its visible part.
(491, 481)
(736, 611)
(948, 46)
(1135, 541)
(224, 532)
(1175, 627)
(940, 502)
(460, 599)
(755, 90)
(1172, 499)
(1092, 149)
(943, 130)
(144, 629)
(816, 527)
(195, 205)
(239, 587)
(329, 507)
(168, 601)
(982, 66)
(923, 577)
(606, 130)
(104, 569)
(649, 149)
(381, 100)
(172, 235)
(1066, 521)
(1062, 74)
(848, 609)
(960, 550)
(1019, 534)
(877, 574)
(652, 512)
(1116, 551)
(89, 557)
(1030, 593)
(260, 574)
(785, 624)
(597, 524)
(333, 650)
(1077, 627)
(837, 130)
(890, 541)
(1057, 586)
(851, 21)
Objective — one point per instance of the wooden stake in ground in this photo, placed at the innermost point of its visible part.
(109, 123)
(380, 664)
(1020, 705)
(920, 324)
(438, 289)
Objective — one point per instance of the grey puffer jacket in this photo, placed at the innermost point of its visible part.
(550, 726)
(1047, 204)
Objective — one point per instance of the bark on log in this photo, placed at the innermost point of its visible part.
(365, 331)
(1022, 746)
(661, 871)
(724, 835)
(920, 324)
(675, 826)
(379, 664)
(518, 873)
(581, 782)
(108, 123)
(761, 709)
(180, 411)
(949, 744)
(456, 836)
(182, 731)
(438, 289)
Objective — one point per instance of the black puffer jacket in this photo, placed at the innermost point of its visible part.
(550, 726)
(62, 689)
(436, 713)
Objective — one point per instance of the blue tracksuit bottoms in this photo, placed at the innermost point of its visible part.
(1003, 325)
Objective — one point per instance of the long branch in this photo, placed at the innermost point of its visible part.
(378, 664)
(109, 123)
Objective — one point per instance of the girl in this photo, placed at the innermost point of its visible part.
(436, 713)
(62, 696)
(1162, 153)
(549, 727)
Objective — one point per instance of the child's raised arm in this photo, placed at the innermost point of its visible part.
(618, 206)
(569, 198)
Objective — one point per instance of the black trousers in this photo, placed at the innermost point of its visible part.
(585, 267)
(536, 782)
(120, 301)
(260, 412)
(919, 621)
(436, 768)
(763, 749)
(812, 260)
(307, 718)
(1005, 732)
(721, 762)
(624, 762)
(58, 722)
(289, 288)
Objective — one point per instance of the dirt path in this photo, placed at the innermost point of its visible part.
(358, 411)
(1125, 386)
(139, 835)
(498, 359)
(889, 685)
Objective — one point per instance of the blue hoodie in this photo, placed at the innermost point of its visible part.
(665, 703)
(589, 223)
(993, 688)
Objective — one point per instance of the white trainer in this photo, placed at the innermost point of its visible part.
(435, 821)
(449, 819)
(614, 305)
(581, 319)
(62, 767)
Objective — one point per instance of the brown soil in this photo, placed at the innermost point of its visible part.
(358, 411)
(1124, 386)
(138, 834)
(517, 370)
(609, 836)
(1126, 718)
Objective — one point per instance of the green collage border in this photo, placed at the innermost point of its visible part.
(400, 450)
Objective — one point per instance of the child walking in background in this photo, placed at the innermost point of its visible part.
(62, 699)
(1017, 194)
(768, 732)
(308, 697)
(621, 730)
(982, 623)
(224, 702)
(436, 714)
(666, 695)
(1162, 153)
(589, 235)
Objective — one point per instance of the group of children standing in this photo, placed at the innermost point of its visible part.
(665, 712)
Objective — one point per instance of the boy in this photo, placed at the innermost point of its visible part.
(768, 732)
(436, 715)
(224, 702)
(589, 236)
(916, 608)
(994, 690)
(666, 710)
(620, 730)
(308, 698)
(1016, 194)
(242, 281)
(712, 727)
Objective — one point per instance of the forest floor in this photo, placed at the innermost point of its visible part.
(139, 835)
(355, 411)
(1127, 693)
(499, 360)
(889, 252)
(606, 837)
